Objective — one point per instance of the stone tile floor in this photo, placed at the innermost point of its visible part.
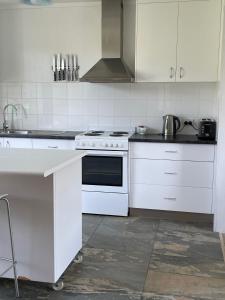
(138, 258)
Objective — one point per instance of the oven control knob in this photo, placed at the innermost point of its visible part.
(83, 144)
(111, 145)
(117, 146)
(106, 145)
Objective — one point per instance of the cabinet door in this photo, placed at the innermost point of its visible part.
(156, 42)
(17, 143)
(198, 40)
(23, 143)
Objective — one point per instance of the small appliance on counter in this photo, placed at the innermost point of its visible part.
(141, 129)
(171, 124)
(207, 129)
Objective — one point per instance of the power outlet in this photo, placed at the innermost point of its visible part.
(188, 123)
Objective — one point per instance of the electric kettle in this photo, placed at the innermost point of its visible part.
(171, 124)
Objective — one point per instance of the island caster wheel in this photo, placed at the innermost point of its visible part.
(79, 258)
(58, 286)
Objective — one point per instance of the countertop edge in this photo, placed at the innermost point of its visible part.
(178, 139)
(65, 163)
(61, 136)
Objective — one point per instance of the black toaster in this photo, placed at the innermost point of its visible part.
(207, 129)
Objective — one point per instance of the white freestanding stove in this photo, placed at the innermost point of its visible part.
(105, 172)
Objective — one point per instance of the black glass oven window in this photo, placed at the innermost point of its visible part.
(102, 170)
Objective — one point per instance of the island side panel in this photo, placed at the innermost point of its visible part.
(31, 201)
(67, 216)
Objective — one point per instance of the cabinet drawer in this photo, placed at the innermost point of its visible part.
(53, 144)
(177, 173)
(186, 199)
(172, 151)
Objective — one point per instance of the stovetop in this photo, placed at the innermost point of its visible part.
(106, 134)
(103, 140)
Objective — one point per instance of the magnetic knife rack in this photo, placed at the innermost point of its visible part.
(65, 68)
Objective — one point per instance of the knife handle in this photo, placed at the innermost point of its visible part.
(55, 77)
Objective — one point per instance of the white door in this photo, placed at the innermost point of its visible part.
(198, 40)
(156, 42)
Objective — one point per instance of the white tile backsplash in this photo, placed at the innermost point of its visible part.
(83, 106)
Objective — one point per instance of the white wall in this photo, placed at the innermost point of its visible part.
(219, 224)
(76, 106)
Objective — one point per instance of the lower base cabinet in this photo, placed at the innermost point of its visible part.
(184, 199)
(174, 177)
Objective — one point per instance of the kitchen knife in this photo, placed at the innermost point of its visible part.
(58, 66)
(54, 63)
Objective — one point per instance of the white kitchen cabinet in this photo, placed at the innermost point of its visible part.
(173, 151)
(53, 144)
(177, 173)
(171, 198)
(175, 177)
(198, 40)
(156, 42)
(25, 143)
(1, 143)
(178, 41)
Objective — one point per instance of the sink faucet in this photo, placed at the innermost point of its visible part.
(5, 123)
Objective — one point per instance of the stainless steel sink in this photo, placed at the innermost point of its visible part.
(20, 132)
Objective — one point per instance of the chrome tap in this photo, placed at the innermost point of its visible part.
(5, 123)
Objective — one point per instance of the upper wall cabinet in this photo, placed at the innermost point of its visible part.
(31, 35)
(178, 41)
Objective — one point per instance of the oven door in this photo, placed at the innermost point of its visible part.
(105, 171)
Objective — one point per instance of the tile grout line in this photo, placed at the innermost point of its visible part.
(222, 240)
(150, 257)
(94, 231)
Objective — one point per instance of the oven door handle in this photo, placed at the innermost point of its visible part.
(107, 153)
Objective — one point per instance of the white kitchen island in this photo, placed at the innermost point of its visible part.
(44, 188)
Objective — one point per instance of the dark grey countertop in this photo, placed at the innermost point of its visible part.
(43, 134)
(159, 138)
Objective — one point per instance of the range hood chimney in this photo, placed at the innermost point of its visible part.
(111, 68)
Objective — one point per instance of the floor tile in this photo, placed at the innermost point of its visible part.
(89, 224)
(132, 234)
(106, 271)
(28, 290)
(188, 252)
(185, 286)
(185, 226)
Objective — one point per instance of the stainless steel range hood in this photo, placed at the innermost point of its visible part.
(111, 68)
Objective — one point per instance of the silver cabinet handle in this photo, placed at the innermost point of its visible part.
(170, 151)
(171, 198)
(170, 173)
(53, 147)
(172, 72)
(181, 72)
